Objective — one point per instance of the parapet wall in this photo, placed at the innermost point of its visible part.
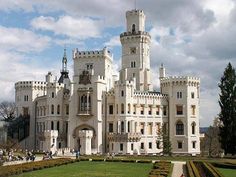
(92, 54)
(37, 85)
(135, 12)
(180, 80)
(30, 84)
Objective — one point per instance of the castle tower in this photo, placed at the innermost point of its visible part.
(136, 51)
(183, 93)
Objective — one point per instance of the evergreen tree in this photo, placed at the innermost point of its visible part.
(163, 141)
(227, 115)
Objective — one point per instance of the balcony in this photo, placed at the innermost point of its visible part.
(124, 137)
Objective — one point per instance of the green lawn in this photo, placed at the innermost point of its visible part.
(94, 169)
(227, 172)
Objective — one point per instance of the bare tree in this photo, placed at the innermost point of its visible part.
(7, 111)
(211, 142)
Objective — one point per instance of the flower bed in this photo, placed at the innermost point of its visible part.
(31, 166)
(160, 169)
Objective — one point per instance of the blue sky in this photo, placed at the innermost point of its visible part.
(195, 38)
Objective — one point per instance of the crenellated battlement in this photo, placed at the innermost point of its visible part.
(30, 84)
(55, 85)
(99, 78)
(135, 12)
(135, 35)
(92, 54)
(125, 83)
(180, 80)
(157, 95)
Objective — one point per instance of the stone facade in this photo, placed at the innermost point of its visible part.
(95, 112)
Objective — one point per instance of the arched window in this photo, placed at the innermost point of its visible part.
(117, 109)
(52, 125)
(85, 102)
(58, 109)
(58, 126)
(122, 93)
(89, 103)
(129, 108)
(122, 127)
(122, 108)
(133, 28)
(193, 128)
(179, 128)
(52, 109)
(128, 126)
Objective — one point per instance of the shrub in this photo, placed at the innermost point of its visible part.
(30, 166)
(161, 168)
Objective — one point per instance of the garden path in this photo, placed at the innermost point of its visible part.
(178, 169)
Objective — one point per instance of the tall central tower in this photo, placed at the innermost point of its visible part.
(136, 51)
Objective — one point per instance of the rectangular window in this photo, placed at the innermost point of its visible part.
(142, 110)
(89, 66)
(179, 110)
(150, 110)
(164, 111)
(194, 144)
(150, 145)
(192, 95)
(149, 128)
(53, 95)
(142, 145)
(121, 146)
(110, 109)
(158, 110)
(180, 145)
(112, 146)
(193, 109)
(67, 109)
(132, 146)
(110, 127)
(158, 144)
(142, 128)
(134, 107)
(179, 95)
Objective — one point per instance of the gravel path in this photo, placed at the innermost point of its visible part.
(179, 169)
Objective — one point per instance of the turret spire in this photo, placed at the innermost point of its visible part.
(64, 71)
(64, 62)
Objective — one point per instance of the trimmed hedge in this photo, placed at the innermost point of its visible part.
(224, 165)
(31, 166)
(208, 169)
(192, 170)
(160, 169)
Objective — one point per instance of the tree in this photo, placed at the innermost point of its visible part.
(227, 114)
(163, 141)
(210, 142)
(7, 111)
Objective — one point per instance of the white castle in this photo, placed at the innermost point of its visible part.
(95, 112)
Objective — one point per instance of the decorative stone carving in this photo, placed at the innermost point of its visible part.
(85, 78)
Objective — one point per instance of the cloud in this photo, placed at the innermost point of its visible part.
(69, 26)
(22, 40)
(114, 41)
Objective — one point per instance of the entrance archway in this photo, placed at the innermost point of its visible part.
(77, 133)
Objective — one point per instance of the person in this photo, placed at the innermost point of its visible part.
(1, 154)
(77, 154)
(50, 154)
(63, 152)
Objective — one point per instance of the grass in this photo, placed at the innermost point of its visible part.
(227, 172)
(94, 169)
